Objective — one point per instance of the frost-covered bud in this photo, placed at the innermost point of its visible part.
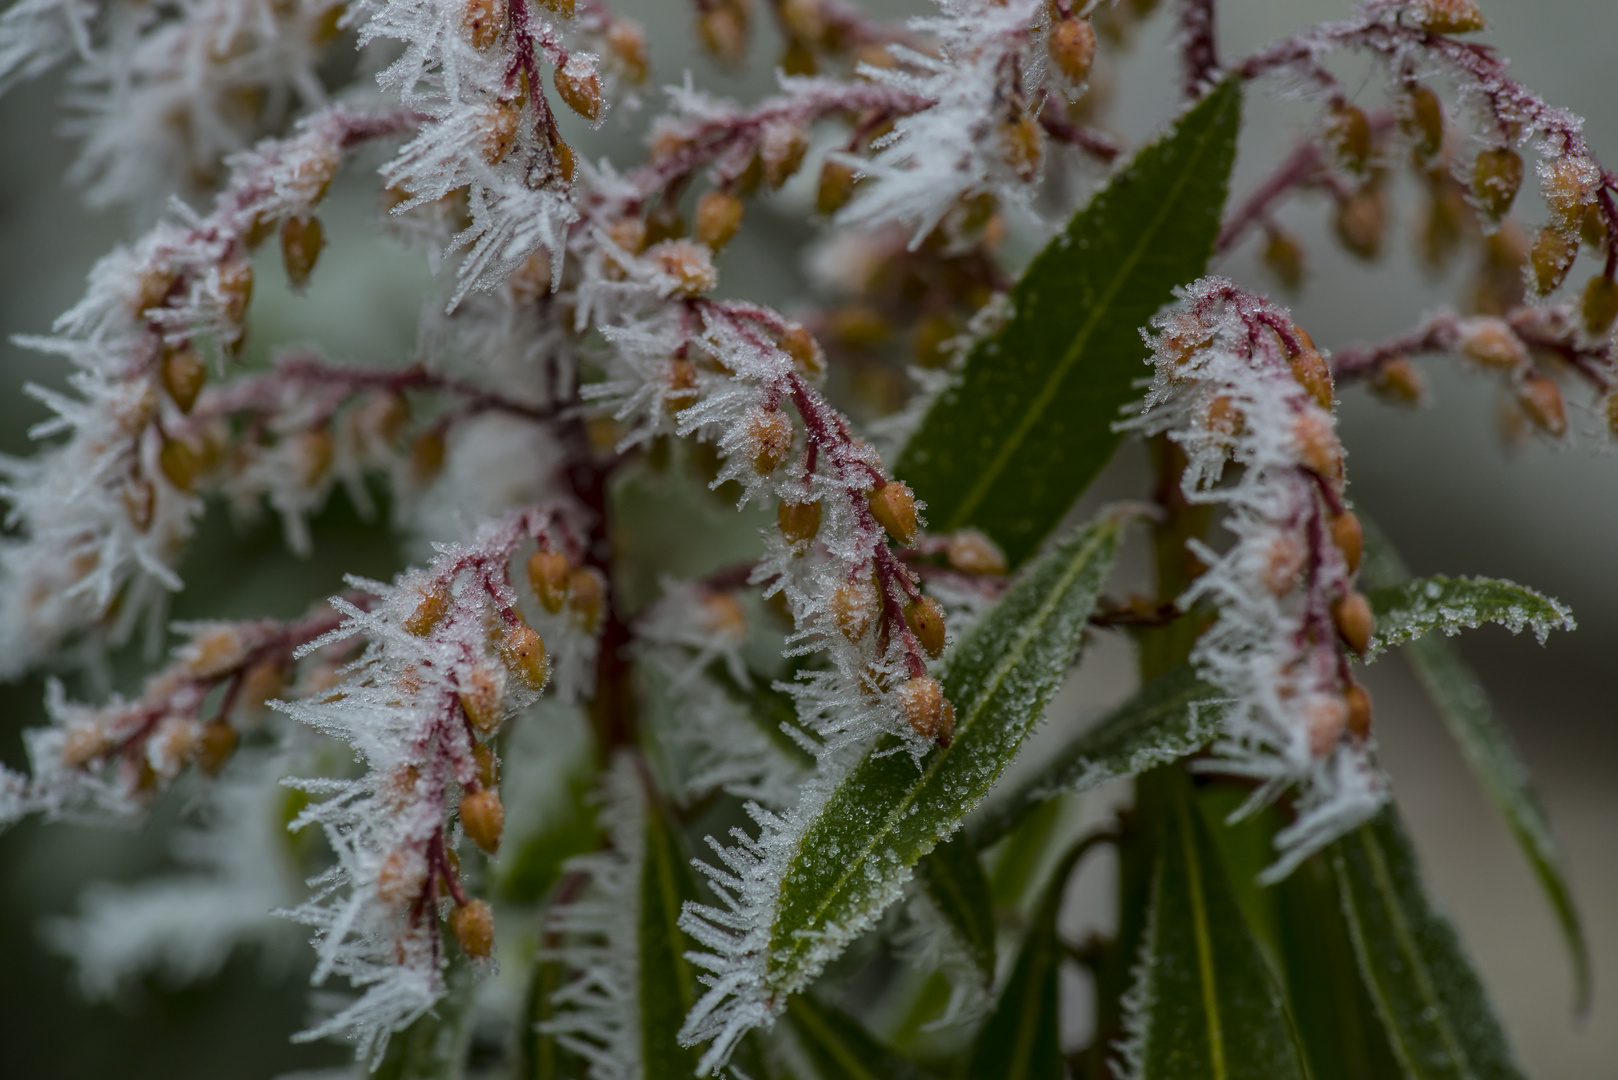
(427, 456)
(1327, 718)
(925, 617)
(152, 288)
(497, 128)
(689, 265)
(1551, 258)
(172, 745)
(482, 694)
(1283, 255)
(563, 8)
(1600, 305)
(1570, 185)
(430, 606)
(215, 743)
(971, 552)
(235, 287)
(1398, 381)
(1072, 46)
(1422, 120)
(894, 508)
(400, 878)
(854, 607)
(1352, 615)
(483, 817)
(523, 650)
(140, 502)
(1449, 16)
(723, 30)
(473, 926)
(807, 356)
(1541, 399)
(719, 215)
(627, 43)
(482, 21)
(1310, 369)
(768, 439)
(1224, 419)
(628, 233)
(587, 596)
(1023, 142)
(1349, 132)
(183, 375)
(1496, 176)
(781, 149)
(214, 652)
(485, 764)
(382, 417)
(799, 522)
(301, 241)
(682, 392)
(313, 451)
(1348, 536)
(1317, 445)
(548, 575)
(1362, 218)
(83, 744)
(1491, 343)
(926, 710)
(802, 19)
(260, 683)
(578, 84)
(1283, 562)
(836, 186)
(1359, 711)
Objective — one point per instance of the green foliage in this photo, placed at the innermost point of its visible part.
(955, 882)
(840, 1048)
(667, 984)
(1413, 609)
(1030, 422)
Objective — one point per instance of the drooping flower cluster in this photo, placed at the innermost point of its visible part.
(1238, 385)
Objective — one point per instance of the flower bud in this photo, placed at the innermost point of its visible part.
(1328, 719)
(1023, 141)
(1349, 133)
(683, 391)
(768, 439)
(567, 166)
(1348, 536)
(836, 186)
(140, 502)
(688, 265)
(400, 878)
(799, 522)
(723, 32)
(1593, 226)
(313, 451)
(925, 617)
(430, 607)
(485, 764)
(483, 698)
(483, 817)
(719, 215)
(548, 576)
(587, 596)
(1541, 399)
(179, 463)
(1309, 368)
(926, 710)
(184, 374)
(83, 744)
(1283, 562)
(971, 552)
(215, 743)
(1491, 343)
(1569, 185)
(1422, 120)
(473, 926)
(563, 8)
(1449, 16)
(523, 650)
(1359, 711)
(261, 683)
(1496, 176)
(301, 241)
(1362, 218)
(627, 43)
(854, 607)
(1397, 380)
(497, 130)
(805, 351)
(152, 287)
(172, 744)
(1223, 419)
(780, 152)
(894, 508)
(1352, 614)
(1283, 255)
(1600, 305)
(1072, 46)
(1317, 445)
(578, 84)
(1550, 259)
(427, 456)
(482, 21)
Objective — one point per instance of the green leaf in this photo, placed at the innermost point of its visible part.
(668, 986)
(852, 857)
(1030, 421)
(434, 1046)
(1205, 1004)
(1024, 849)
(840, 1048)
(1489, 750)
(538, 859)
(1433, 1008)
(540, 1056)
(1173, 715)
(1414, 609)
(767, 707)
(956, 884)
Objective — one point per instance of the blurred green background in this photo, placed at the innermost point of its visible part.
(1440, 482)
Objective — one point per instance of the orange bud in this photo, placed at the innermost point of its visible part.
(1449, 16)
(1398, 380)
(926, 710)
(566, 164)
(769, 439)
(1423, 121)
(427, 456)
(301, 241)
(1348, 536)
(1023, 141)
(682, 392)
(523, 650)
(1283, 561)
(1310, 369)
(564, 8)
(497, 128)
(429, 609)
(1600, 305)
(1570, 186)
(894, 508)
(780, 152)
(1359, 711)
(805, 351)
(723, 31)
(235, 287)
(1283, 255)
(1349, 132)
(184, 374)
(925, 617)
(486, 765)
(1551, 258)
(578, 84)
(548, 576)
(1317, 444)
(1492, 343)
(482, 696)
(483, 817)
(799, 522)
(1541, 399)
(400, 878)
(83, 744)
(1328, 719)
(482, 21)
(627, 43)
(1362, 218)
(971, 552)
(1072, 46)
(215, 743)
(179, 463)
(1496, 176)
(719, 215)
(473, 926)
(854, 607)
(313, 451)
(1352, 614)
(836, 186)
(587, 596)
(689, 265)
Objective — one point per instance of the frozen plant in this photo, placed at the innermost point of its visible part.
(799, 561)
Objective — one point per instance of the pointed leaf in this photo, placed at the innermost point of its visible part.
(853, 856)
(668, 985)
(1205, 1004)
(1413, 609)
(1438, 1020)
(840, 1048)
(1030, 422)
(540, 1055)
(956, 884)
(1025, 849)
(1173, 715)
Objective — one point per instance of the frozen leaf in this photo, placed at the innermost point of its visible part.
(839, 1046)
(955, 883)
(1412, 609)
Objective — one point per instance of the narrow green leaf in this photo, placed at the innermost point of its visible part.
(668, 986)
(1414, 609)
(1030, 422)
(537, 861)
(540, 1056)
(853, 855)
(1432, 1006)
(1173, 715)
(1022, 851)
(959, 890)
(768, 707)
(1492, 755)
(840, 1048)
(1205, 1004)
